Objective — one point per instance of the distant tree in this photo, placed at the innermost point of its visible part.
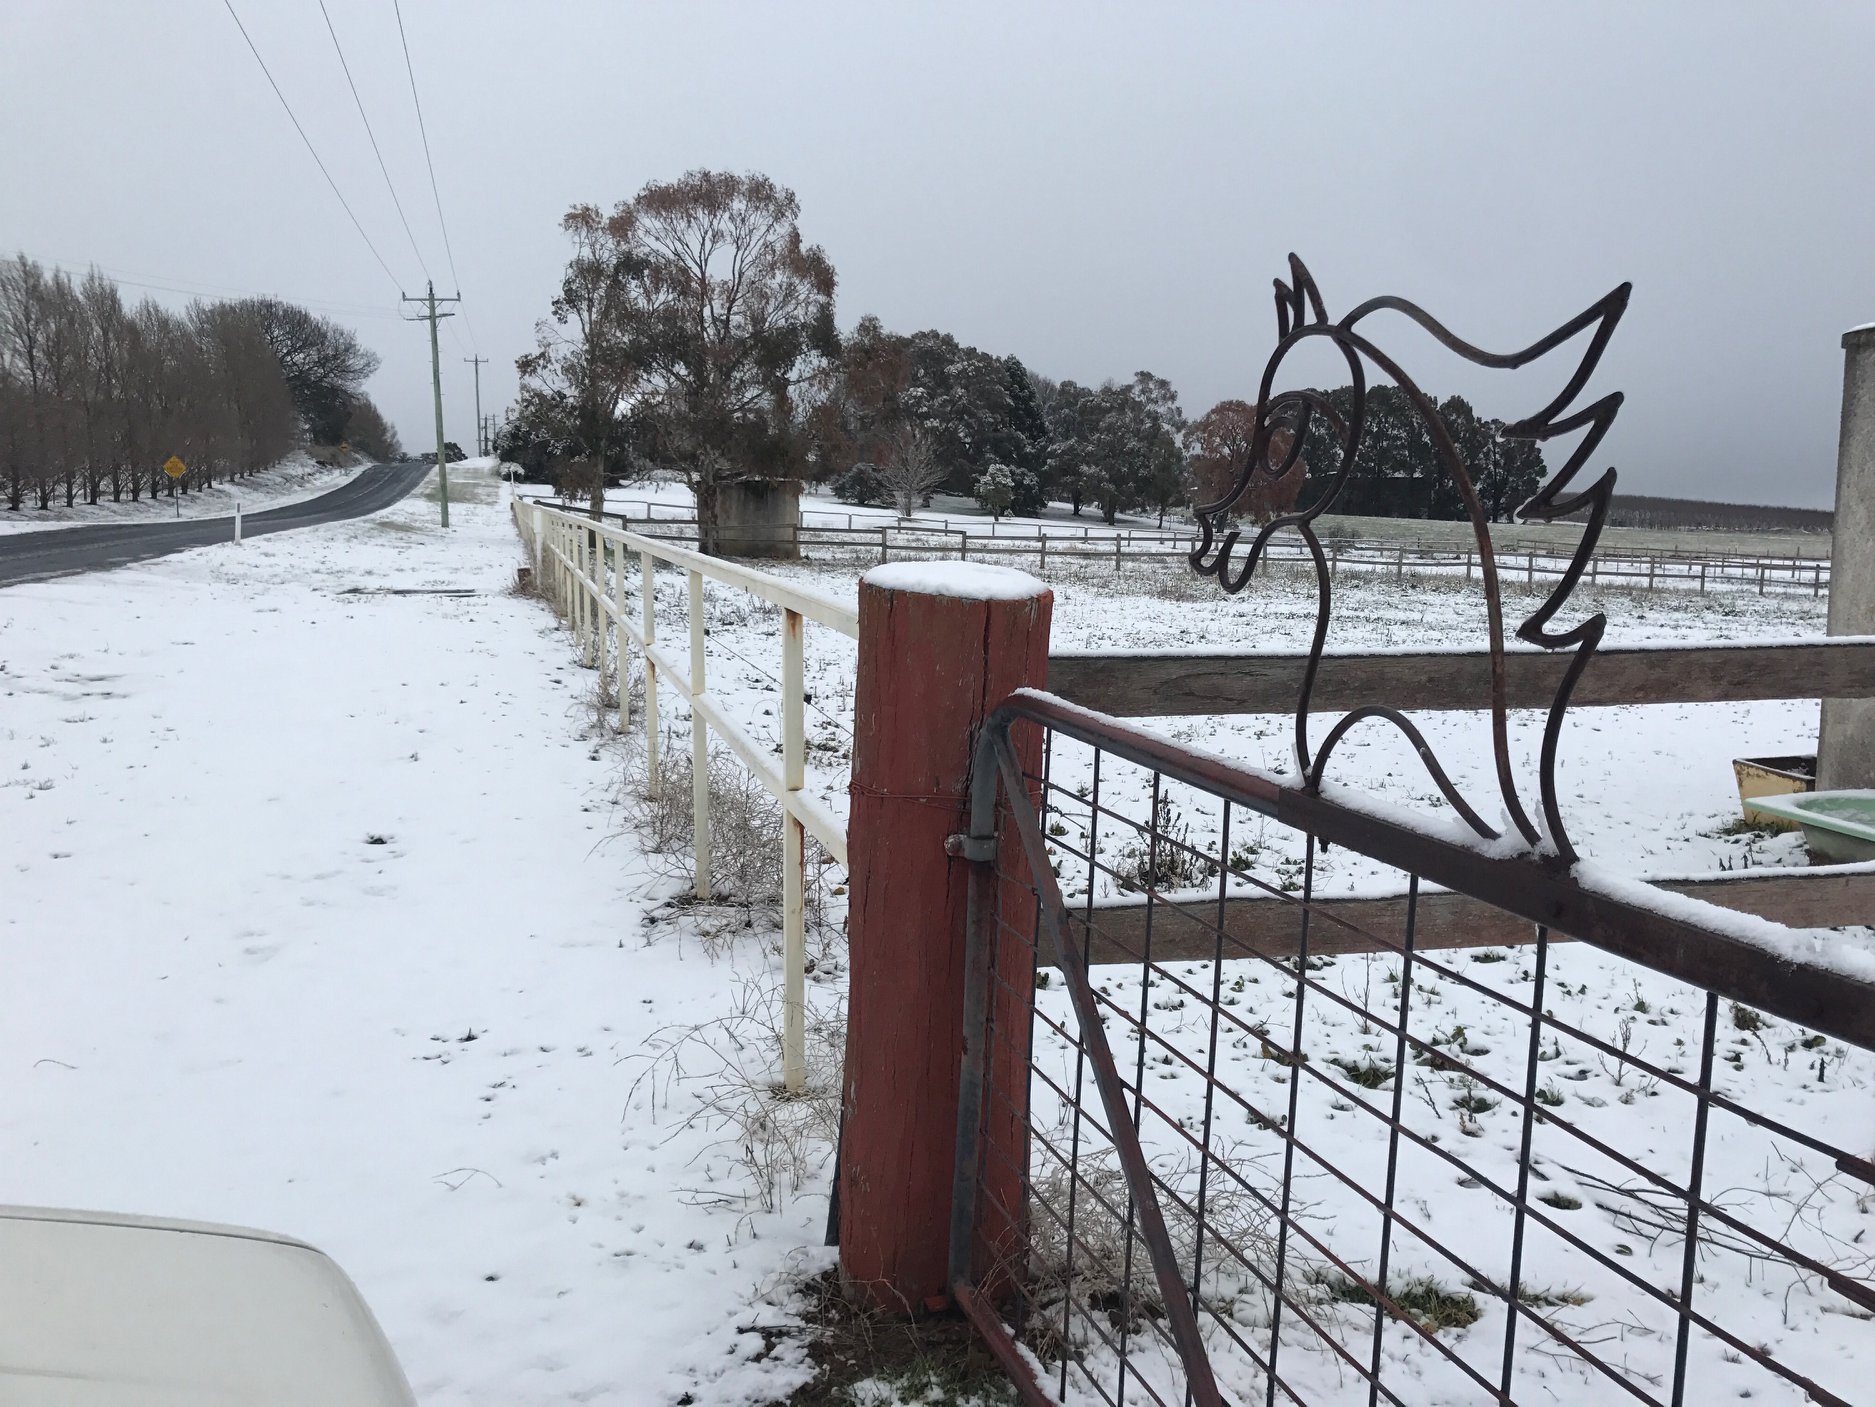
(913, 472)
(1398, 473)
(973, 408)
(324, 364)
(535, 439)
(1118, 446)
(95, 394)
(1509, 473)
(862, 484)
(584, 364)
(1028, 426)
(996, 489)
(1069, 408)
(727, 322)
(367, 431)
(1648, 511)
(1030, 500)
(854, 419)
(246, 405)
(1220, 444)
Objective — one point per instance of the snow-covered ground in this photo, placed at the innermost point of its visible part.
(293, 480)
(1646, 791)
(1796, 1195)
(822, 510)
(1648, 788)
(320, 917)
(325, 915)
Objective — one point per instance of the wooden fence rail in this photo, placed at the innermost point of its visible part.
(1171, 684)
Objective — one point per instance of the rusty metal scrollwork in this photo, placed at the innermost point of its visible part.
(1302, 316)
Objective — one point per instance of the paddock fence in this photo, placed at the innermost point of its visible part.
(590, 572)
(1092, 548)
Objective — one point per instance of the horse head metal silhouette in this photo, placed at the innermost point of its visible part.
(1287, 420)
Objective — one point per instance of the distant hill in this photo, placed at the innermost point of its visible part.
(1633, 510)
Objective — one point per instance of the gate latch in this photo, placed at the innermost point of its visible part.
(980, 848)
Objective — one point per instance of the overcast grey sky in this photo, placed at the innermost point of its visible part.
(1096, 188)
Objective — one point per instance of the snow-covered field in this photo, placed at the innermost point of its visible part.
(1796, 1195)
(320, 917)
(1647, 791)
(293, 480)
(1649, 788)
(325, 915)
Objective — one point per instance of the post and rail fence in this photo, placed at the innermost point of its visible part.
(587, 570)
(1064, 1116)
(1631, 569)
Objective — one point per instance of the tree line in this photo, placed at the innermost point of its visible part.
(693, 333)
(96, 395)
(1633, 510)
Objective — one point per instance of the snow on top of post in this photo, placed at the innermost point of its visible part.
(969, 581)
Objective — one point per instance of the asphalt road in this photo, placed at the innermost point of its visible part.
(34, 556)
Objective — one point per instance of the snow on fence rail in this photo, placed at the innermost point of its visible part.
(582, 567)
(1628, 569)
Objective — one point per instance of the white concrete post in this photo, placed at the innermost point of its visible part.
(793, 858)
(237, 522)
(1846, 737)
(648, 602)
(699, 742)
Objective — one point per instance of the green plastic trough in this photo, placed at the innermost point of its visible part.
(1838, 825)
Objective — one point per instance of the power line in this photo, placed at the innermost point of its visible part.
(417, 103)
(310, 148)
(435, 194)
(194, 288)
(389, 185)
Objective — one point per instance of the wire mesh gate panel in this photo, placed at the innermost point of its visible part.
(1253, 1149)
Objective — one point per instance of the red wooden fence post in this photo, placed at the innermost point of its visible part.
(940, 645)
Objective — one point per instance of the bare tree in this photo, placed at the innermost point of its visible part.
(913, 472)
(369, 431)
(92, 393)
(325, 365)
(23, 350)
(582, 368)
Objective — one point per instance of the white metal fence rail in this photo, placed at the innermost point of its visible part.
(1627, 568)
(582, 567)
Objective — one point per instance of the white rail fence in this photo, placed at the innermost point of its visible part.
(584, 568)
(1627, 568)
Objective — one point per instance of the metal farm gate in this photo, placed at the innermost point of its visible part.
(1253, 1118)
(1258, 1145)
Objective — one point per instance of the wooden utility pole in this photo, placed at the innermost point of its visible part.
(481, 442)
(431, 316)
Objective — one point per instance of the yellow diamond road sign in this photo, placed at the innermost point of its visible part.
(174, 467)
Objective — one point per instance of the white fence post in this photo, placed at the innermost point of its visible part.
(648, 597)
(699, 742)
(588, 605)
(793, 858)
(621, 636)
(602, 623)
